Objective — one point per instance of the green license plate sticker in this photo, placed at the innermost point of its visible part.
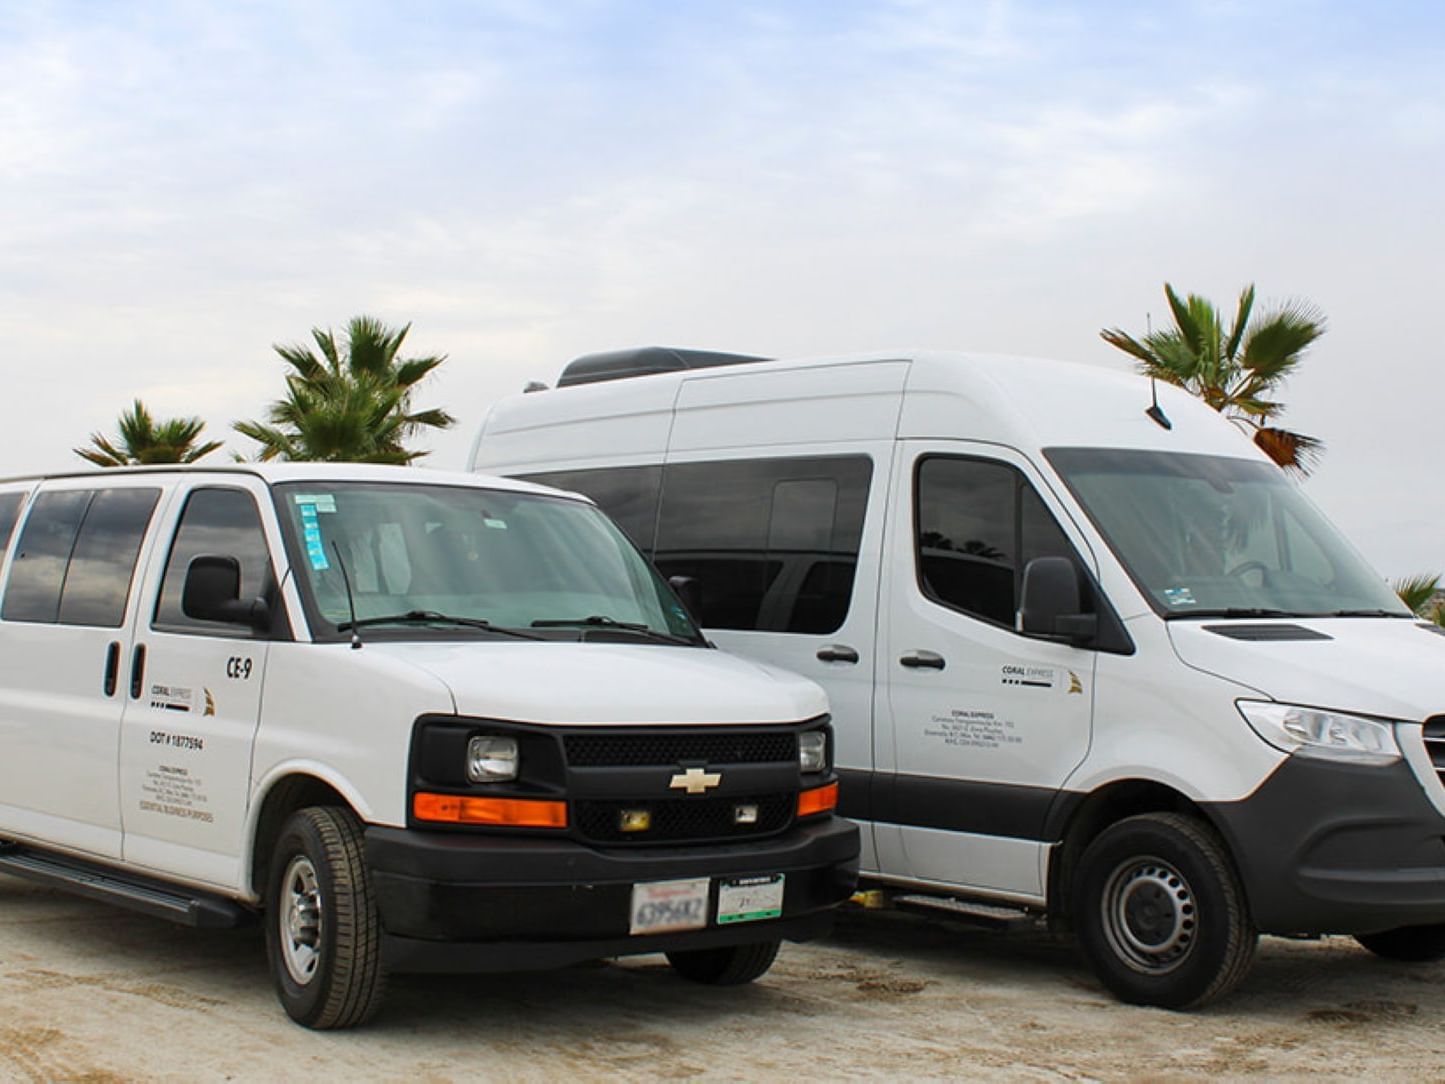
(749, 899)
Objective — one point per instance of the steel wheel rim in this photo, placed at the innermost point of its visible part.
(1150, 916)
(301, 920)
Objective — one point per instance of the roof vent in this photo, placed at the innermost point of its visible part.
(644, 361)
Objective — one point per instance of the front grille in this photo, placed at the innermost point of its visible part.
(1435, 744)
(636, 750)
(700, 820)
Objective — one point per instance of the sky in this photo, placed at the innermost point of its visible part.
(184, 184)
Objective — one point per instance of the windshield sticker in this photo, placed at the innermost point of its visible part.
(319, 502)
(1179, 596)
(311, 535)
(496, 524)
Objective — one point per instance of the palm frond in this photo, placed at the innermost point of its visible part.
(1292, 451)
(1418, 592)
(1241, 321)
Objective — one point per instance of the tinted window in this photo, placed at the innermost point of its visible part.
(627, 494)
(772, 544)
(223, 523)
(978, 524)
(102, 565)
(76, 556)
(41, 556)
(9, 512)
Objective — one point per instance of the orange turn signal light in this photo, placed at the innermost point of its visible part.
(818, 800)
(506, 812)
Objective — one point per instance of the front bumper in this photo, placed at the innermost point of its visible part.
(462, 903)
(1337, 848)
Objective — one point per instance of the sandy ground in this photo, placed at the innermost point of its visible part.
(91, 993)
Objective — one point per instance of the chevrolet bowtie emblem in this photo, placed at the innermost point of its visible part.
(695, 781)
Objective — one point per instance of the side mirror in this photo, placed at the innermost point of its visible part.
(212, 592)
(1051, 605)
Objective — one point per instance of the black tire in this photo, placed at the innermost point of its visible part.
(1410, 944)
(731, 966)
(1161, 916)
(323, 935)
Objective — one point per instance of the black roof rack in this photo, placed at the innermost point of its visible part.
(643, 360)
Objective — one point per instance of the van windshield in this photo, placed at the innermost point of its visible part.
(424, 561)
(1211, 536)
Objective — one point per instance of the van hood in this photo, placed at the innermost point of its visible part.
(1387, 667)
(566, 683)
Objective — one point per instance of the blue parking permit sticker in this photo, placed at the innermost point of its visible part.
(311, 533)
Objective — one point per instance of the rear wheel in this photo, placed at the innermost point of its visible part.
(1162, 917)
(1412, 944)
(731, 966)
(323, 935)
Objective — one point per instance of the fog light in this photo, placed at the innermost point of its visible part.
(491, 758)
(634, 820)
(745, 814)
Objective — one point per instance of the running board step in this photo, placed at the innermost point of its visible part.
(154, 898)
(985, 914)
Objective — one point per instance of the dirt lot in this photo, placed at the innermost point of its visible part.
(91, 993)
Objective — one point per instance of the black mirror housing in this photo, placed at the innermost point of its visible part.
(212, 592)
(1051, 602)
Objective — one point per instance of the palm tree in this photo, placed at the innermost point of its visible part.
(143, 440)
(1234, 371)
(352, 404)
(1418, 592)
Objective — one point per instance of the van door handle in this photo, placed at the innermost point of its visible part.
(837, 653)
(137, 671)
(922, 660)
(112, 666)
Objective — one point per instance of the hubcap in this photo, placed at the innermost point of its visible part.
(1149, 915)
(300, 918)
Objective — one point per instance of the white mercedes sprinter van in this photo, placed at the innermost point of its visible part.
(1084, 656)
(420, 721)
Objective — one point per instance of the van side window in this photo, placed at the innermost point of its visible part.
(771, 543)
(627, 494)
(219, 522)
(978, 524)
(9, 512)
(76, 557)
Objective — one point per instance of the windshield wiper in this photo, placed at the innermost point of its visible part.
(1367, 613)
(603, 621)
(432, 617)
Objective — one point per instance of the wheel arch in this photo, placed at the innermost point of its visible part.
(1086, 818)
(282, 797)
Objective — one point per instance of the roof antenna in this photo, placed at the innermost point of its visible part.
(1155, 413)
(350, 598)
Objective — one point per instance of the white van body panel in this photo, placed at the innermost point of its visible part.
(1384, 671)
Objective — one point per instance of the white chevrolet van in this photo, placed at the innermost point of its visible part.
(420, 721)
(1086, 655)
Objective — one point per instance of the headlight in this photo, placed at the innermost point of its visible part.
(813, 751)
(1329, 735)
(491, 758)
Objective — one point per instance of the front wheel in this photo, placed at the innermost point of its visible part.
(323, 934)
(1410, 944)
(731, 966)
(1162, 917)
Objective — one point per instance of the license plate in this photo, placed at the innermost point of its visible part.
(666, 906)
(748, 899)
